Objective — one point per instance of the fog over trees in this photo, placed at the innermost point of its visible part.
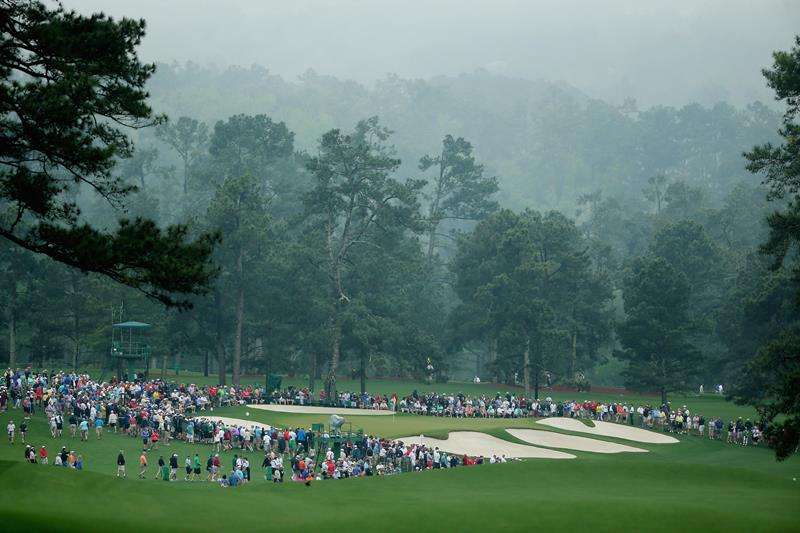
(507, 190)
(670, 53)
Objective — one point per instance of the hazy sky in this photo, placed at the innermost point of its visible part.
(666, 51)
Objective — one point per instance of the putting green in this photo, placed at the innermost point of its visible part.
(310, 409)
(228, 421)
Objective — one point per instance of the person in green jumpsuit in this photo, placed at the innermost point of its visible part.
(165, 472)
(197, 467)
(267, 466)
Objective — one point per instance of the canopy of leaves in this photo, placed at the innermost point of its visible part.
(772, 378)
(69, 84)
(654, 335)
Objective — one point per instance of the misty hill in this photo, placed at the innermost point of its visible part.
(547, 142)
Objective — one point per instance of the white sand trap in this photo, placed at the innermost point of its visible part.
(309, 409)
(570, 442)
(609, 429)
(474, 443)
(228, 421)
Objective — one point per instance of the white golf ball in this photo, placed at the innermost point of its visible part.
(247, 413)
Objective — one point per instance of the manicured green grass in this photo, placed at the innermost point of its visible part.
(694, 485)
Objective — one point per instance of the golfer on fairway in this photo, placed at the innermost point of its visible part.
(121, 465)
(142, 464)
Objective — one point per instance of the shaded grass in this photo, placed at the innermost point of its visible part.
(577, 495)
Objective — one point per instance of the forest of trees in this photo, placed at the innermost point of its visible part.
(546, 142)
(482, 225)
(371, 252)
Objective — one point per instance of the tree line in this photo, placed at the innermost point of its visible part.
(253, 255)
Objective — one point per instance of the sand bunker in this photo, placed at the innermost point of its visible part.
(309, 409)
(570, 442)
(474, 443)
(609, 429)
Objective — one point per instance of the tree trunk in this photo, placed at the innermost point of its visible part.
(259, 351)
(164, 359)
(267, 366)
(336, 339)
(220, 345)
(205, 363)
(363, 372)
(433, 214)
(185, 175)
(77, 351)
(493, 357)
(177, 363)
(663, 396)
(431, 242)
(526, 363)
(574, 354)
(75, 322)
(478, 363)
(237, 340)
(334, 325)
(312, 370)
(12, 329)
(75, 355)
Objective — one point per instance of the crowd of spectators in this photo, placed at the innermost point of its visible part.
(157, 411)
